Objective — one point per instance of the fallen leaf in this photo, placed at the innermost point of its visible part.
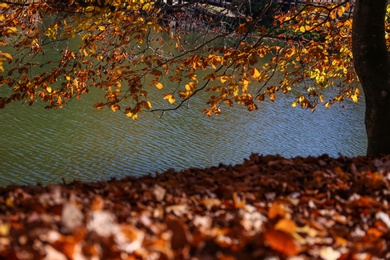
(281, 242)
(328, 253)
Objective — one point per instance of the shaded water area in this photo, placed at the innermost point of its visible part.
(79, 142)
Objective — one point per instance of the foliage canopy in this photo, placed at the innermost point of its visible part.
(121, 46)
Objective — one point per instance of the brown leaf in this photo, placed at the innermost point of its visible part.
(180, 233)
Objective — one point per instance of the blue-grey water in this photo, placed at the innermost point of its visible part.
(81, 143)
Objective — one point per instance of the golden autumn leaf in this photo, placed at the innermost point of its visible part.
(171, 99)
(133, 116)
(281, 242)
(159, 85)
(256, 73)
(4, 5)
(224, 79)
(115, 107)
(11, 30)
(341, 11)
(286, 225)
(90, 9)
(7, 55)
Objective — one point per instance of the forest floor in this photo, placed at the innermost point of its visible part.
(268, 207)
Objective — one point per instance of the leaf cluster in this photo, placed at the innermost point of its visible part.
(267, 207)
(132, 48)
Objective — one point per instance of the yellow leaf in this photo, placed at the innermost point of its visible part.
(89, 8)
(224, 79)
(133, 116)
(190, 86)
(171, 99)
(159, 85)
(256, 73)
(146, 7)
(4, 5)
(341, 11)
(302, 28)
(48, 89)
(12, 30)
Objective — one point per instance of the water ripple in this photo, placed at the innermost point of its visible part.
(80, 143)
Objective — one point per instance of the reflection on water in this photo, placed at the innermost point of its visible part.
(78, 142)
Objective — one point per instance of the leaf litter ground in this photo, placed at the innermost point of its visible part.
(269, 207)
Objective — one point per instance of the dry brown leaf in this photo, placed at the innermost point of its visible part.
(97, 203)
(180, 233)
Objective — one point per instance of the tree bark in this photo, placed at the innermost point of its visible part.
(372, 64)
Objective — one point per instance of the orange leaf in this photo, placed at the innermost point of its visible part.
(115, 108)
(276, 210)
(286, 225)
(281, 242)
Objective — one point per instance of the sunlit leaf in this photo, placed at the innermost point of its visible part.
(115, 107)
(171, 99)
(4, 5)
(159, 85)
(282, 242)
(286, 225)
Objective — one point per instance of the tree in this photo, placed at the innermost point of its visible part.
(372, 64)
(121, 46)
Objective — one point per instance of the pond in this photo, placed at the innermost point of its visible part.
(81, 143)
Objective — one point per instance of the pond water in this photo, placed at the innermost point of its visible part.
(81, 143)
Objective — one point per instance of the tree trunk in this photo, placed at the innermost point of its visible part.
(372, 64)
